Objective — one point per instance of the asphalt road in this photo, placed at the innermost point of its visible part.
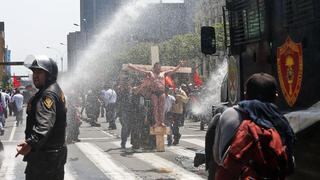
(99, 156)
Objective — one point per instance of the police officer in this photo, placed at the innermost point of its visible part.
(44, 147)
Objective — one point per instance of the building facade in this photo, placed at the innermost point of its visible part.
(96, 14)
(161, 21)
(75, 41)
(210, 12)
(2, 49)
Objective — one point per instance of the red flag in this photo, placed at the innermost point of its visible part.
(16, 82)
(196, 79)
(169, 82)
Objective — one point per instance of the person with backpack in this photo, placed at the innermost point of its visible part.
(253, 140)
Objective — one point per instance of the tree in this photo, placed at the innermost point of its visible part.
(220, 36)
(180, 47)
(171, 51)
(138, 54)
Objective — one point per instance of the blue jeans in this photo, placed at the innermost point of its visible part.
(126, 127)
(111, 114)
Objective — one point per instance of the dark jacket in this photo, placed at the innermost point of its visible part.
(46, 119)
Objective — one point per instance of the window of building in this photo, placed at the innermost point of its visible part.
(299, 12)
(247, 18)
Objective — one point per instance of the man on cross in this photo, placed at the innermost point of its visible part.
(155, 82)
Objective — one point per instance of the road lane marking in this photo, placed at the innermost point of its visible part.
(12, 132)
(196, 129)
(181, 151)
(104, 162)
(69, 173)
(92, 138)
(197, 142)
(193, 135)
(13, 141)
(161, 163)
(104, 132)
(7, 170)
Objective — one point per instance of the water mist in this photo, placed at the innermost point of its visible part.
(210, 93)
(100, 52)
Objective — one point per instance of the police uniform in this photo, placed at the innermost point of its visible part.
(45, 133)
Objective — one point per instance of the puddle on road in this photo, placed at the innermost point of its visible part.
(187, 164)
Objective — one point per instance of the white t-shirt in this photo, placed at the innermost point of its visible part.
(4, 98)
(18, 99)
(111, 96)
(168, 103)
(103, 96)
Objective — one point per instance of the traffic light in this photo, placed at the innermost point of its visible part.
(208, 40)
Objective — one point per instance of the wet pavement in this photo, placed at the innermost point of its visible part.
(99, 156)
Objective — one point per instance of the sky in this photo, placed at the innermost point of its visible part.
(33, 25)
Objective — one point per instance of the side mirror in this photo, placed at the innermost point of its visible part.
(208, 40)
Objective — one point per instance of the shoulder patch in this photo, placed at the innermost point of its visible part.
(48, 102)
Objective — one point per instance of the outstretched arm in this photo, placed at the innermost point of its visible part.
(172, 71)
(131, 66)
(196, 67)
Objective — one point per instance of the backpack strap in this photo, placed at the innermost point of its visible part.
(255, 152)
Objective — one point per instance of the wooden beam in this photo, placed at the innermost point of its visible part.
(186, 70)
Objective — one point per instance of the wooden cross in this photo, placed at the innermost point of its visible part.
(159, 132)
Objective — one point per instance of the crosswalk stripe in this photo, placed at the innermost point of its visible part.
(99, 138)
(105, 163)
(12, 132)
(68, 175)
(13, 141)
(197, 142)
(7, 170)
(9, 163)
(161, 163)
(104, 132)
(192, 128)
(182, 151)
(193, 135)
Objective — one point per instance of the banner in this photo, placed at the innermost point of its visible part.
(196, 79)
(16, 82)
(169, 82)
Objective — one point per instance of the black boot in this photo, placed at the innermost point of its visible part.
(176, 139)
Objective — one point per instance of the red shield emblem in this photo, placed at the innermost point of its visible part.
(290, 70)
